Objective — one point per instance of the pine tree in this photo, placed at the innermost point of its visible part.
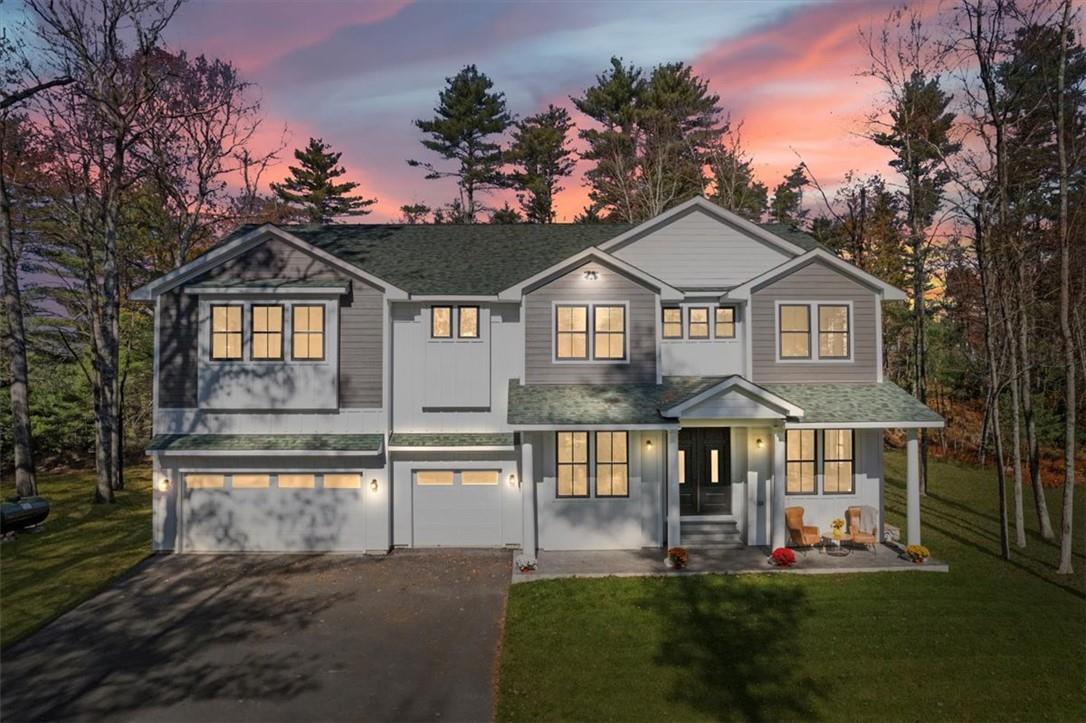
(734, 185)
(542, 159)
(414, 213)
(506, 215)
(469, 114)
(311, 186)
(787, 205)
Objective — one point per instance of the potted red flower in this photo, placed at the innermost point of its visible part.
(782, 557)
(677, 557)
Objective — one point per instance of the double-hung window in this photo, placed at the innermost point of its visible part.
(571, 332)
(307, 329)
(697, 326)
(833, 332)
(672, 322)
(612, 464)
(467, 322)
(441, 322)
(226, 332)
(837, 461)
(794, 324)
(572, 461)
(267, 325)
(609, 340)
(799, 456)
(725, 322)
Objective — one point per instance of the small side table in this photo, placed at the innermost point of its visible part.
(833, 546)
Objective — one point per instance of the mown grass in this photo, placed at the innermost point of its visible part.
(83, 546)
(991, 640)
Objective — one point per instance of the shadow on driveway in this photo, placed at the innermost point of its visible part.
(411, 636)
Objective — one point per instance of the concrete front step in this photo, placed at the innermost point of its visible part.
(711, 533)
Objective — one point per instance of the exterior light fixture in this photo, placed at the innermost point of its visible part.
(512, 480)
(373, 484)
(759, 443)
(164, 485)
(648, 443)
(591, 275)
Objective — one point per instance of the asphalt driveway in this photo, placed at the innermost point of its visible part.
(411, 636)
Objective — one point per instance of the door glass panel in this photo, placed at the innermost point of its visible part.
(682, 466)
(714, 466)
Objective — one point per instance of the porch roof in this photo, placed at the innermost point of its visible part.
(450, 439)
(247, 443)
(876, 404)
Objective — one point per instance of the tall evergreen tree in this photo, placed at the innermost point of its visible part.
(541, 159)
(505, 215)
(469, 115)
(312, 186)
(787, 204)
(734, 185)
(414, 213)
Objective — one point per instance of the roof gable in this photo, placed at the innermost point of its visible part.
(877, 285)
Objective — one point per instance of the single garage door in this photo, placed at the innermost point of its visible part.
(272, 512)
(457, 508)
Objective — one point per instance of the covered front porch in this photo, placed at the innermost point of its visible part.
(553, 564)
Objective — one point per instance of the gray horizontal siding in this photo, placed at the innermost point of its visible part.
(178, 327)
(361, 348)
(814, 282)
(273, 259)
(573, 287)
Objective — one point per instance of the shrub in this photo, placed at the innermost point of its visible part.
(783, 557)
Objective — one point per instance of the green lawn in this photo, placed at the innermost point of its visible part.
(82, 548)
(990, 640)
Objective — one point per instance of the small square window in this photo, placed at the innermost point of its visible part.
(673, 322)
(441, 322)
(725, 322)
(468, 322)
(698, 322)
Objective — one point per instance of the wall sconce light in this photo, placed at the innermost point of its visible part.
(591, 275)
(648, 443)
(164, 485)
(373, 484)
(759, 443)
(512, 480)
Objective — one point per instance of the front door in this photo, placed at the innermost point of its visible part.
(705, 471)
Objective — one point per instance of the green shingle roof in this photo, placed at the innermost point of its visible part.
(550, 404)
(855, 403)
(465, 259)
(283, 284)
(451, 439)
(266, 443)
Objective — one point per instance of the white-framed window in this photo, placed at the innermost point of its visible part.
(724, 322)
(571, 331)
(833, 331)
(266, 322)
(226, 332)
(814, 331)
(307, 332)
(609, 339)
(612, 464)
(794, 331)
(672, 320)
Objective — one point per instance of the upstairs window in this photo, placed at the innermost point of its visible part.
(698, 322)
(673, 322)
(308, 332)
(609, 341)
(799, 456)
(833, 341)
(572, 462)
(468, 322)
(794, 324)
(267, 324)
(225, 332)
(725, 322)
(612, 464)
(441, 322)
(571, 334)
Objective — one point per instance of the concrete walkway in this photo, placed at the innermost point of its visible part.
(739, 561)
(408, 637)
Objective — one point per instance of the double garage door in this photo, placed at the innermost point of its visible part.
(457, 507)
(272, 511)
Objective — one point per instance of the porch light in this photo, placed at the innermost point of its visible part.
(373, 484)
(591, 275)
(648, 443)
(759, 443)
(164, 484)
(512, 480)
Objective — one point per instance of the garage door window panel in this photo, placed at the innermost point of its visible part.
(479, 477)
(339, 481)
(297, 481)
(434, 477)
(197, 481)
(250, 481)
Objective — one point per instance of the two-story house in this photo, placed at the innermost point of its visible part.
(363, 387)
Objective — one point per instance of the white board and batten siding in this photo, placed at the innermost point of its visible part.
(699, 251)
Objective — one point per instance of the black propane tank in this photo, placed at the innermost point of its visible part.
(19, 513)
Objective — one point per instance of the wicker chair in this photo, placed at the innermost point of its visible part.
(859, 533)
(799, 535)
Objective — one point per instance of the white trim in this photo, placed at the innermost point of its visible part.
(878, 344)
(735, 381)
(888, 292)
(240, 245)
(156, 361)
(282, 290)
(670, 293)
(703, 204)
(863, 425)
(590, 332)
(813, 332)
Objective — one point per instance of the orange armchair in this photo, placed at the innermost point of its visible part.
(799, 535)
(860, 533)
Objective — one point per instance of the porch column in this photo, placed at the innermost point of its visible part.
(912, 485)
(527, 496)
(777, 528)
(673, 525)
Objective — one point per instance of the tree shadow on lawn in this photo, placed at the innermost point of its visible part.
(735, 645)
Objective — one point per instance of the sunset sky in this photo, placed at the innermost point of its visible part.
(358, 73)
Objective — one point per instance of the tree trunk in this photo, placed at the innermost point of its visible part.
(15, 341)
(1016, 427)
(920, 387)
(1040, 503)
(1065, 567)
